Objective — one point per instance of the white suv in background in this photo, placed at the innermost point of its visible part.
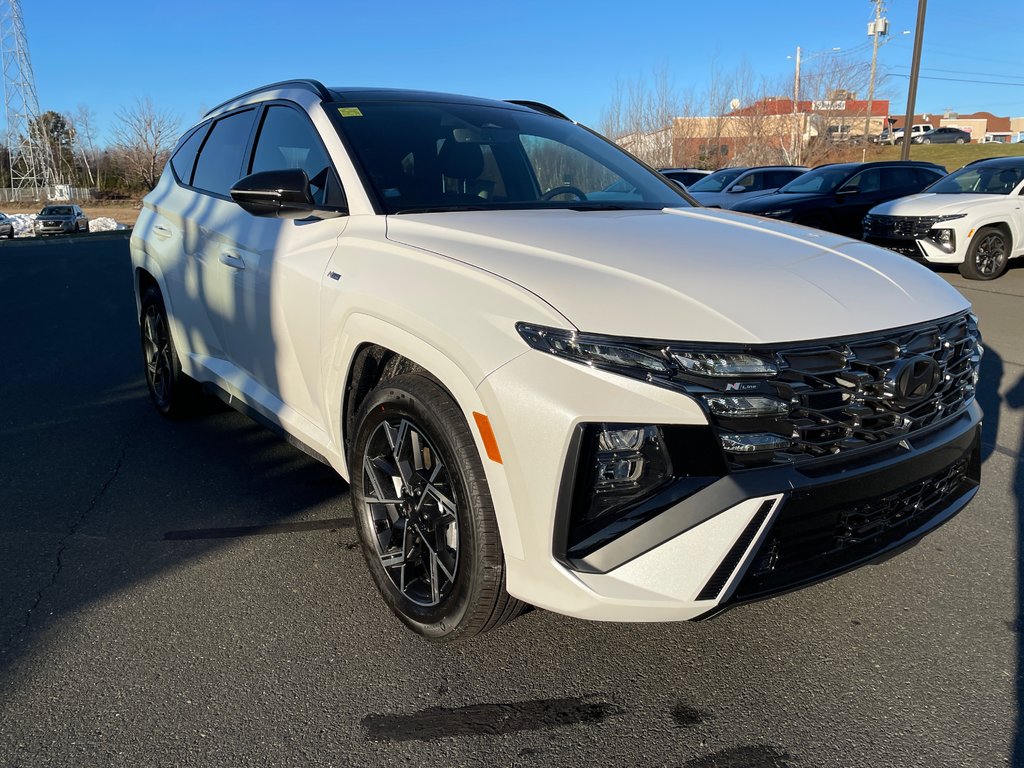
(973, 217)
(609, 404)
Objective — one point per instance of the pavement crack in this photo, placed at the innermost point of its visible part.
(65, 540)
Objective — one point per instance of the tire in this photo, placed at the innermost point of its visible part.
(987, 255)
(960, 141)
(434, 552)
(926, 141)
(174, 394)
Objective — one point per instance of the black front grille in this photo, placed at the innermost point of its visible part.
(903, 227)
(810, 539)
(842, 393)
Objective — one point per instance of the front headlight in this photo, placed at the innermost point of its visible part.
(599, 353)
(950, 217)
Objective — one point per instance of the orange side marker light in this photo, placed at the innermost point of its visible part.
(487, 435)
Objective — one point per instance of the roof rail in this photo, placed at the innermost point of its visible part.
(310, 85)
(537, 106)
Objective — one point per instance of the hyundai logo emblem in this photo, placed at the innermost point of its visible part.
(912, 381)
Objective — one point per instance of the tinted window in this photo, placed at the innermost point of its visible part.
(288, 140)
(925, 177)
(184, 159)
(821, 180)
(717, 181)
(424, 156)
(866, 181)
(57, 210)
(981, 179)
(899, 178)
(220, 161)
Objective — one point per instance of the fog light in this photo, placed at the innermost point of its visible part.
(744, 407)
(615, 472)
(621, 439)
(754, 443)
(944, 238)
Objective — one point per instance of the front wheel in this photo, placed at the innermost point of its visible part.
(926, 141)
(960, 141)
(424, 513)
(987, 256)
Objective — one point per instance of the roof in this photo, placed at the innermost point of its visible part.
(352, 94)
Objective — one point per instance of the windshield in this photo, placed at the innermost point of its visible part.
(980, 179)
(56, 210)
(717, 181)
(820, 181)
(423, 157)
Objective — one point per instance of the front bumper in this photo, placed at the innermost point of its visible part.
(53, 227)
(746, 536)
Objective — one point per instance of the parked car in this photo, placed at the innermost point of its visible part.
(61, 220)
(6, 226)
(972, 218)
(943, 136)
(836, 197)
(684, 176)
(917, 129)
(615, 409)
(728, 186)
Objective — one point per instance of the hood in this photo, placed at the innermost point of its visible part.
(689, 274)
(727, 199)
(931, 204)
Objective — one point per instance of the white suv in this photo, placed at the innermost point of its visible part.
(618, 407)
(974, 218)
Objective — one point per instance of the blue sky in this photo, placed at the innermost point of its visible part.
(190, 55)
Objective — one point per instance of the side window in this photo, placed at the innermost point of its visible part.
(184, 159)
(899, 178)
(220, 161)
(749, 182)
(924, 178)
(288, 140)
(866, 181)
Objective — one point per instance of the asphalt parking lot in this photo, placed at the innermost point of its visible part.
(190, 593)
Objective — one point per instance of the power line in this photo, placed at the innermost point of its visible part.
(955, 71)
(961, 80)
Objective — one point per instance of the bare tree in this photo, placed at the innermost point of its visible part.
(145, 137)
(83, 134)
(641, 114)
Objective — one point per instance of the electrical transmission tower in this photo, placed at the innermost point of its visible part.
(30, 155)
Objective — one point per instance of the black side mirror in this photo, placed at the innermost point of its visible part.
(283, 194)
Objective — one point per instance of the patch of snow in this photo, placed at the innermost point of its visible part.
(23, 224)
(104, 224)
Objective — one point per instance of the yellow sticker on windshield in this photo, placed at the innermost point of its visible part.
(349, 112)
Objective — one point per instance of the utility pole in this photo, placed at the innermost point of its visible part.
(915, 70)
(876, 28)
(798, 134)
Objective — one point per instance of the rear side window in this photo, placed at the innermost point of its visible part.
(288, 140)
(899, 178)
(184, 159)
(220, 162)
(924, 177)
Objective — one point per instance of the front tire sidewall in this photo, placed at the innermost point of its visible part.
(969, 268)
(446, 619)
(181, 392)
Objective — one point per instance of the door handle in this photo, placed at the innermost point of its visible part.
(161, 231)
(232, 260)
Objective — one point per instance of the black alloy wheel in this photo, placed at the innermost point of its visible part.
(987, 256)
(424, 513)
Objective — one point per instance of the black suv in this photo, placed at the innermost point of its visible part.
(836, 197)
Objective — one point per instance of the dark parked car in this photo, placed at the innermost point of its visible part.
(684, 176)
(943, 136)
(836, 197)
(725, 188)
(6, 226)
(61, 220)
